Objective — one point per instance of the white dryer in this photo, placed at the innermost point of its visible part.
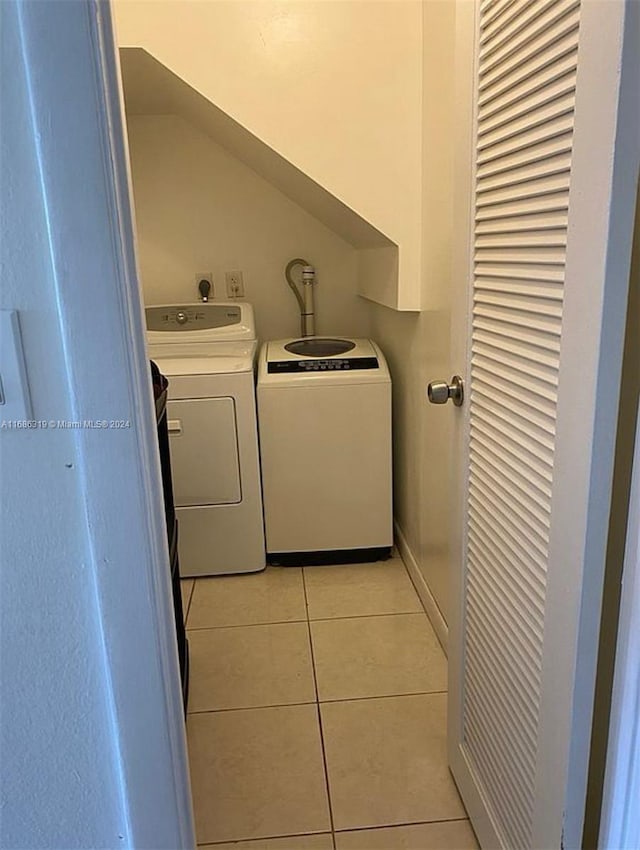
(324, 412)
(207, 352)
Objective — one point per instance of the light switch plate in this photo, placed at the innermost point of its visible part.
(16, 402)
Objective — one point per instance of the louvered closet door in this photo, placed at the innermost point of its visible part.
(535, 319)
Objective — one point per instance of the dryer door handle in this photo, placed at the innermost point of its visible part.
(175, 426)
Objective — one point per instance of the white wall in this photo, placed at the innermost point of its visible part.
(334, 87)
(199, 209)
(418, 346)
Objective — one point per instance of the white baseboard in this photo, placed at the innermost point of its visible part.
(422, 589)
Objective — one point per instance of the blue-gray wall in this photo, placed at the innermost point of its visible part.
(92, 746)
(54, 709)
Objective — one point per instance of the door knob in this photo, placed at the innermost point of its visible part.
(439, 392)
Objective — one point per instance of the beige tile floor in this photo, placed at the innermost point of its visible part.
(317, 713)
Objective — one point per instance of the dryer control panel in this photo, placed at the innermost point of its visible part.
(191, 318)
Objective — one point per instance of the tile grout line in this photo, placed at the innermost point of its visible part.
(349, 829)
(402, 824)
(318, 715)
(369, 616)
(250, 708)
(310, 620)
(258, 841)
(318, 702)
(245, 625)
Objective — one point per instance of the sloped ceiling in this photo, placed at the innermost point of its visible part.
(151, 88)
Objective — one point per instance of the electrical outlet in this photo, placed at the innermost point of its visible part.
(209, 278)
(235, 284)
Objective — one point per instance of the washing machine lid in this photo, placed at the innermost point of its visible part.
(221, 358)
(319, 346)
(213, 322)
(320, 353)
(363, 362)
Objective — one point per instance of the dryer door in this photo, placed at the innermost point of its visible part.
(204, 451)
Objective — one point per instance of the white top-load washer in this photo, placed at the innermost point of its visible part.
(207, 352)
(324, 412)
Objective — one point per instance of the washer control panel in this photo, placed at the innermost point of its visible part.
(313, 365)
